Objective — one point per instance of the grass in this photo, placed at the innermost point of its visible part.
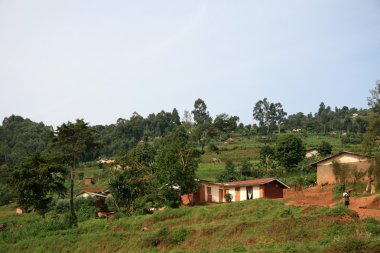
(258, 225)
(249, 149)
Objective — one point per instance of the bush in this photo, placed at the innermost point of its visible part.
(352, 138)
(228, 197)
(324, 148)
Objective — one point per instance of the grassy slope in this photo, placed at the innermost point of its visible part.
(258, 225)
(249, 149)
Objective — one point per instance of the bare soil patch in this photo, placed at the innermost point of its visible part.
(318, 196)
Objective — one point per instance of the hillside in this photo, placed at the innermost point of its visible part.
(258, 225)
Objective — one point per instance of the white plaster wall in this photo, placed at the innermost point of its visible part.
(215, 193)
(243, 193)
(256, 192)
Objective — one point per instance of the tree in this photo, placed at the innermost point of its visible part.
(324, 148)
(246, 168)
(201, 115)
(267, 155)
(229, 174)
(141, 156)
(129, 186)
(175, 117)
(35, 179)
(289, 150)
(269, 114)
(374, 99)
(176, 162)
(277, 115)
(203, 130)
(261, 113)
(72, 141)
(373, 174)
(373, 129)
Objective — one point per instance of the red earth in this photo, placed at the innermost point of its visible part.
(324, 196)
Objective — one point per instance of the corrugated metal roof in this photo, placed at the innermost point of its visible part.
(338, 154)
(259, 181)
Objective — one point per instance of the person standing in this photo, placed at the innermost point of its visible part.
(346, 196)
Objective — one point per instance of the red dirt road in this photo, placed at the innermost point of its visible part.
(323, 196)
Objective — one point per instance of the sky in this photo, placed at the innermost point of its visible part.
(104, 60)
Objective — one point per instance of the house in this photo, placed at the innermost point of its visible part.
(311, 153)
(324, 167)
(239, 190)
(96, 191)
(100, 193)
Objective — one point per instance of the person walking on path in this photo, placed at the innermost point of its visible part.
(346, 196)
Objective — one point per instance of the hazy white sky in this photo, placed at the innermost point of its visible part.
(103, 60)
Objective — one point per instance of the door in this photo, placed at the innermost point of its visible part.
(237, 194)
(249, 192)
(209, 196)
(220, 195)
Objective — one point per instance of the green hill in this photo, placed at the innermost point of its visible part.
(250, 226)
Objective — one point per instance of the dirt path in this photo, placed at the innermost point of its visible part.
(324, 196)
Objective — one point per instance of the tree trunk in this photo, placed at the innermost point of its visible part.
(72, 209)
(368, 188)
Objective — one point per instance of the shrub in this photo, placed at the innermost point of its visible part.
(228, 197)
(324, 148)
(352, 138)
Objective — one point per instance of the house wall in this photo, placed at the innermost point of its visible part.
(214, 192)
(269, 190)
(325, 173)
(273, 190)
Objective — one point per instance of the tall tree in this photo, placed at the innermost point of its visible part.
(175, 117)
(35, 179)
(203, 123)
(72, 141)
(277, 115)
(269, 114)
(201, 115)
(261, 113)
(177, 161)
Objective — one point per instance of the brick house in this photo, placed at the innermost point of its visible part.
(239, 190)
(325, 173)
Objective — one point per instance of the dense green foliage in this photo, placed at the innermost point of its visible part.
(290, 150)
(72, 142)
(324, 148)
(35, 180)
(19, 136)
